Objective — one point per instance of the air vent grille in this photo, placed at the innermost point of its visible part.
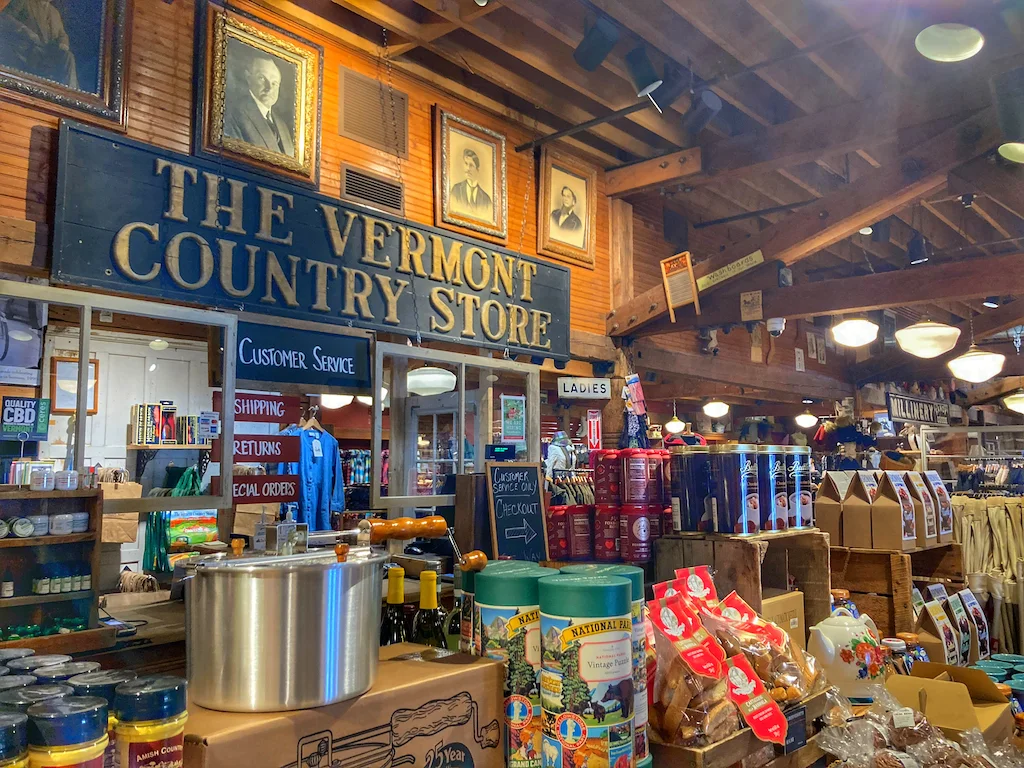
(363, 116)
(360, 187)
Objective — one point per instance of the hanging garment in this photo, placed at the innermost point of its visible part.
(321, 485)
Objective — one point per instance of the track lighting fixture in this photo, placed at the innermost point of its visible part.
(642, 73)
(1008, 93)
(597, 43)
(703, 109)
(918, 249)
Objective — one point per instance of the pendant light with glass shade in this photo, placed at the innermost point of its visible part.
(716, 409)
(806, 420)
(1015, 401)
(674, 426)
(855, 332)
(332, 402)
(976, 365)
(927, 339)
(430, 380)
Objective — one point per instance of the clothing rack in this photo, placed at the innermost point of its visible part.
(572, 486)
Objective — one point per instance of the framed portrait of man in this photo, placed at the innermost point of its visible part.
(69, 54)
(470, 177)
(567, 208)
(261, 95)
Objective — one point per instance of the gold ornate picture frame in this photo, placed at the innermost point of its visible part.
(567, 208)
(470, 177)
(260, 100)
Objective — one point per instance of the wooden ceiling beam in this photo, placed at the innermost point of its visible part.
(980, 394)
(888, 365)
(548, 55)
(837, 215)
(468, 11)
(920, 285)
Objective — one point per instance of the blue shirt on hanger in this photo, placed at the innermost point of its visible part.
(321, 484)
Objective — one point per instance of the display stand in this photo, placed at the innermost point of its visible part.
(753, 564)
(880, 581)
(22, 555)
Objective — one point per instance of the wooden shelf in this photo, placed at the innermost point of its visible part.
(44, 541)
(87, 640)
(14, 492)
(155, 447)
(15, 602)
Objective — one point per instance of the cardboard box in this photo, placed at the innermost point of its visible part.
(957, 614)
(924, 509)
(787, 610)
(893, 519)
(427, 708)
(856, 522)
(828, 504)
(937, 635)
(955, 699)
(943, 505)
(981, 646)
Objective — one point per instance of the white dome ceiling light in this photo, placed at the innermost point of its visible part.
(927, 339)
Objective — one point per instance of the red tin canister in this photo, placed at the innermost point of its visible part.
(607, 476)
(580, 525)
(654, 515)
(606, 533)
(558, 533)
(666, 480)
(634, 533)
(655, 477)
(666, 521)
(635, 483)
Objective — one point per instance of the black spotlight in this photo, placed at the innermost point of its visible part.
(1008, 93)
(881, 231)
(645, 79)
(597, 43)
(918, 249)
(992, 302)
(702, 111)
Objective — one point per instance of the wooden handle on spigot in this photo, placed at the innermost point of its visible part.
(473, 561)
(237, 545)
(403, 528)
(341, 550)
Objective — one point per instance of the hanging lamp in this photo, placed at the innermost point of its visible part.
(927, 339)
(949, 43)
(806, 420)
(855, 332)
(674, 426)
(332, 402)
(716, 409)
(976, 365)
(1015, 401)
(430, 380)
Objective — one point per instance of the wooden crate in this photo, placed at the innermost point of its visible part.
(86, 641)
(752, 564)
(745, 750)
(880, 581)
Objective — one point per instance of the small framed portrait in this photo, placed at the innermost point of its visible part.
(470, 187)
(68, 53)
(64, 385)
(260, 96)
(568, 208)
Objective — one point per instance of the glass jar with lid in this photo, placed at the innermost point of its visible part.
(914, 650)
(897, 655)
(841, 599)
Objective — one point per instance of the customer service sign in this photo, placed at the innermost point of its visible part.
(136, 219)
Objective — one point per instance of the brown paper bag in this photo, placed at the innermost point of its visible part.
(924, 509)
(856, 520)
(893, 517)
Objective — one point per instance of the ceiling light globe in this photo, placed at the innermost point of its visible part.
(716, 409)
(158, 345)
(949, 43)
(332, 402)
(806, 420)
(429, 380)
(927, 339)
(866, 230)
(855, 332)
(674, 425)
(977, 366)
(1015, 402)
(1012, 151)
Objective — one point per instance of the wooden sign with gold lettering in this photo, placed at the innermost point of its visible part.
(136, 219)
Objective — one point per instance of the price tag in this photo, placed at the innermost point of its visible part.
(318, 449)
(796, 733)
(903, 718)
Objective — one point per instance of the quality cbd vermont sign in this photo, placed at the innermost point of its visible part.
(136, 219)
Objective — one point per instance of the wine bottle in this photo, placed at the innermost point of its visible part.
(392, 625)
(453, 621)
(428, 627)
(7, 585)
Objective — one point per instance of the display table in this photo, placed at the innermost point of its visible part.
(427, 708)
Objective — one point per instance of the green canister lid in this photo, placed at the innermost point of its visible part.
(647, 762)
(510, 586)
(598, 596)
(469, 577)
(631, 572)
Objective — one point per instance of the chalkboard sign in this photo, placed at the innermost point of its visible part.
(515, 493)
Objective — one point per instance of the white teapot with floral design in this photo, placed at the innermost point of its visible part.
(849, 651)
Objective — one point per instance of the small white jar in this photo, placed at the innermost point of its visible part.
(80, 522)
(42, 479)
(40, 524)
(61, 524)
(66, 480)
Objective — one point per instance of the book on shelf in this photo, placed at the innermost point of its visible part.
(20, 472)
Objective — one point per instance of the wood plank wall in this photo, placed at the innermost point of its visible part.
(160, 106)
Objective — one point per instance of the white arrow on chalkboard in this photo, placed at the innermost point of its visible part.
(526, 532)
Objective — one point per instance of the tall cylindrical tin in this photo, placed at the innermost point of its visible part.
(772, 488)
(678, 467)
(509, 605)
(655, 477)
(558, 533)
(579, 519)
(666, 479)
(634, 533)
(735, 470)
(798, 475)
(635, 475)
(606, 533)
(607, 476)
(587, 690)
(700, 511)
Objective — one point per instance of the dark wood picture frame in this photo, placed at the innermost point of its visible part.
(558, 169)
(227, 122)
(450, 207)
(94, 406)
(106, 103)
